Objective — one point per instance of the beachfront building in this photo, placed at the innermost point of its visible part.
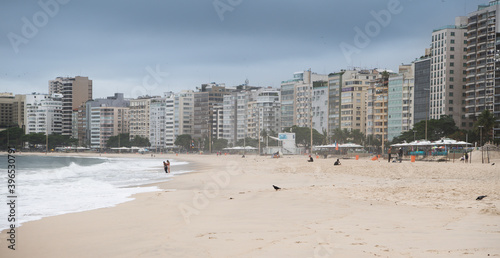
(96, 133)
(400, 97)
(320, 106)
(216, 93)
(263, 109)
(201, 115)
(107, 122)
(482, 82)
(376, 107)
(483, 77)
(139, 116)
(352, 98)
(334, 91)
(448, 82)
(235, 108)
(184, 113)
(12, 110)
(43, 113)
(422, 88)
(346, 99)
(217, 125)
(76, 91)
(296, 99)
(162, 128)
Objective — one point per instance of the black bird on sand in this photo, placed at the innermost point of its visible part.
(493, 164)
(276, 188)
(480, 197)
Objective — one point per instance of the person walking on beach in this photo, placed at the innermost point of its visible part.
(389, 153)
(400, 154)
(466, 156)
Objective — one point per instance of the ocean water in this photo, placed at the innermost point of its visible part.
(48, 186)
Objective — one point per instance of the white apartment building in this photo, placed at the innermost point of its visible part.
(162, 128)
(320, 108)
(296, 98)
(184, 113)
(447, 86)
(43, 113)
(139, 116)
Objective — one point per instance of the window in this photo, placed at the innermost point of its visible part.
(452, 48)
(452, 64)
(451, 86)
(452, 56)
(452, 34)
(451, 79)
(452, 41)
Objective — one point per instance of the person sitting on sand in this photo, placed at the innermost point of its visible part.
(337, 163)
(310, 159)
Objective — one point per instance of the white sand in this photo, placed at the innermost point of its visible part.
(362, 208)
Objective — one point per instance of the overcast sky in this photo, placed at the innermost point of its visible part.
(153, 46)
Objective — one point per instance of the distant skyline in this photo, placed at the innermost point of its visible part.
(151, 46)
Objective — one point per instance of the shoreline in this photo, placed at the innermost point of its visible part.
(229, 208)
(189, 168)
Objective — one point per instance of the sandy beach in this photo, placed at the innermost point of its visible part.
(228, 208)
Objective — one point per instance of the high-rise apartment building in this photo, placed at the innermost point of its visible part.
(320, 106)
(421, 90)
(296, 99)
(76, 91)
(482, 82)
(184, 113)
(400, 97)
(111, 125)
(162, 128)
(354, 87)
(43, 113)
(139, 116)
(12, 110)
(376, 107)
(334, 91)
(107, 122)
(447, 84)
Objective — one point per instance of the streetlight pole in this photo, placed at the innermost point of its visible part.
(311, 108)
(481, 142)
(258, 123)
(427, 111)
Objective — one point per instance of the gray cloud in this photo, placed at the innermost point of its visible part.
(113, 42)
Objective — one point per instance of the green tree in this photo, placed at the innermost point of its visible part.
(340, 135)
(34, 138)
(121, 140)
(184, 141)
(303, 135)
(219, 144)
(248, 142)
(140, 141)
(436, 129)
(487, 120)
(57, 140)
(11, 137)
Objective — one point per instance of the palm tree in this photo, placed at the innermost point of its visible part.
(487, 120)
